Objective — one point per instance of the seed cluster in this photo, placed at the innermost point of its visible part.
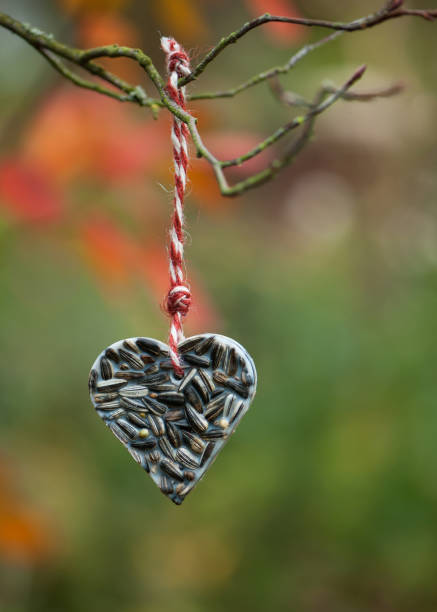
(173, 426)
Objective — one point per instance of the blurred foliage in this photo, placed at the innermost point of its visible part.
(326, 498)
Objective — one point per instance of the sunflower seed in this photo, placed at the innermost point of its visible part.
(154, 456)
(189, 475)
(232, 367)
(214, 412)
(201, 388)
(105, 397)
(92, 380)
(196, 444)
(146, 443)
(148, 346)
(156, 425)
(194, 399)
(164, 445)
(205, 345)
(111, 385)
(129, 375)
(106, 368)
(197, 360)
(187, 379)
(247, 378)
(215, 406)
(185, 490)
(220, 378)
(134, 391)
(228, 404)
(134, 418)
(225, 360)
(163, 387)
(174, 415)
(233, 409)
(217, 354)
(173, 435)
(196, 420)
(129, 404)
(186, 458)
(133, 360)
(156, 379)
(171, 397)
(135, 455)
(208, 452)
(172, 469)
(166, 365)
(214, 434)
(109, 405)
(131, 346)
(124, 366)
(207, 379)
(118, 433)
(146, 359)
(188, 345)
(238, 387)
(111, 353)
(154, 406)
(166, 485)
(237, 408)
(114, 415)
(154, 369)
(127, 427)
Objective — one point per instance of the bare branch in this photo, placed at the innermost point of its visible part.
(276, 165)
(268, 74)
(60, 55)
(290, 98)
(391, 10)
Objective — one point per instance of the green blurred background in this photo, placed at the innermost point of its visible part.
(326, 498)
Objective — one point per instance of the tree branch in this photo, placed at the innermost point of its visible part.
(60, 55)
(391, 10)
(268, 74)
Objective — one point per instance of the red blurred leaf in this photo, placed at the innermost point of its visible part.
(280, 33)
(106, 250)
(27, 193)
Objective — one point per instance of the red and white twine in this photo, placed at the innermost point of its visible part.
(178, 299)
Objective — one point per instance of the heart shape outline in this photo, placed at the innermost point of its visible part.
(173, 427)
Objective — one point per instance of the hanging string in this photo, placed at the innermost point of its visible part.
(178, 299)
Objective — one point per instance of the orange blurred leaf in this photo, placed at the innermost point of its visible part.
(182, 19)
(76, 6)
(96, 30)
(24, 534)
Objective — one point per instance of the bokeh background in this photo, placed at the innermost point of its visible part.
(326, 498)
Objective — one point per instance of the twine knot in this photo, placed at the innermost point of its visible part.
(177, 59)
(178, 300)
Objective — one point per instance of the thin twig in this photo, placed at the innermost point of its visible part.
(268, 74)
(391, 10)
